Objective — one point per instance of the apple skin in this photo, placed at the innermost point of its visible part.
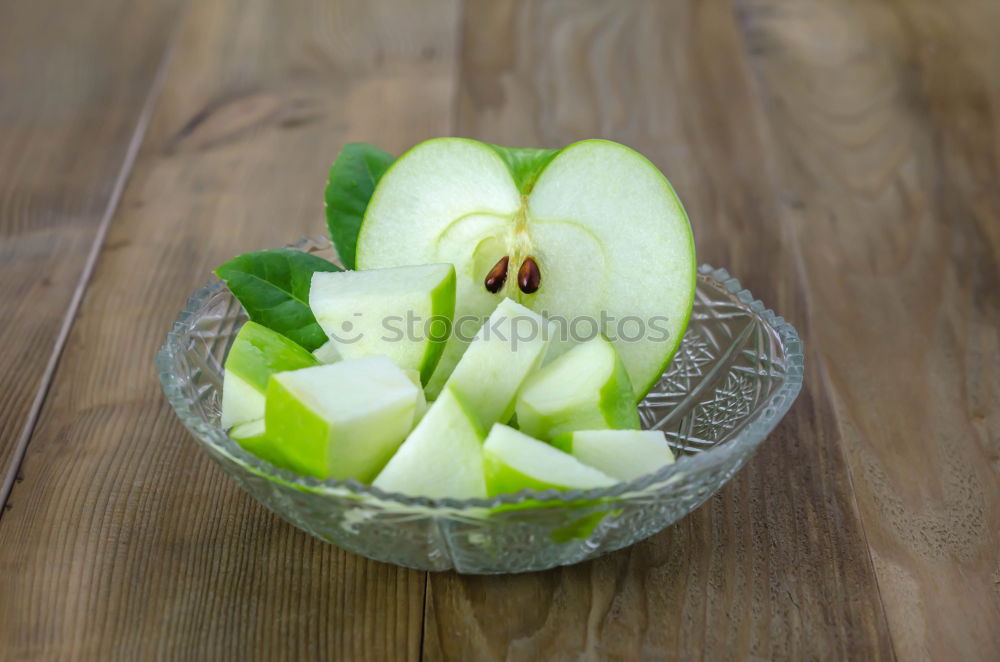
(605, 227)
(343, 420)
(353, 308)
(256, 353)
(595, 388)
(622, 454)
(513, 461)
(501, 478)
(442, 457)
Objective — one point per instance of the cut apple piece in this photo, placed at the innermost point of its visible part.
(442, 457)
(508, 347)
(513, 461)
(587, 388)
(592, 234)
(257, 352)
(404, 313)
(343, 420)
(623, 454)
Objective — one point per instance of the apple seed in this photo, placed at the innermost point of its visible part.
(528, 276)
(497, 275)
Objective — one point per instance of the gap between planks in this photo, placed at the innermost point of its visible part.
(121, 179)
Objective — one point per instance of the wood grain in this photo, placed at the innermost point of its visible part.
(774, 567)
(72, 88)
(886, 121)
(123, 541)
(839, 156)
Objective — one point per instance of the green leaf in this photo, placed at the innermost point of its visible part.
(352, 180)
(525, 163)
(273, 287)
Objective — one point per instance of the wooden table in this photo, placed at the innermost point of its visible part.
(842, 158)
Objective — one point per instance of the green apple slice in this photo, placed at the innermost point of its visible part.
(513, 461)
(442, 457)
(257, 352)
(343, 420)
(623, 454)
(587, 388)
(611, 242)
(404, 313)
(509, 346)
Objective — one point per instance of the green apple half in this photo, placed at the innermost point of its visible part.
(623, 454)
(587, 388)
(508, 347)
(513, 461)
(343, 420)
(404, 313)
(442, 457)
(611, 241)
(257, 352)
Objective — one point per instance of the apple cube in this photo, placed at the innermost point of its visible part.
(513, 461)
(343, 420)
(257, 352)
(587, 388)
(623, 454)
(442, 457)
(404, 313)
(508, 347)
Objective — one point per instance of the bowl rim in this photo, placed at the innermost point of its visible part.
(761, 422)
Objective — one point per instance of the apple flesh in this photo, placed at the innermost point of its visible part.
(327, 352)
(257, 352)
(421, 407)
(508, 347)
(249, 431)
(404, 313)
(513, 461)
(442, 457)
(622, 454)
(343, 420)
(584, 389)
(609, 241)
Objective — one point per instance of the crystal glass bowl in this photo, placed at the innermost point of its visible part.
(735, 375)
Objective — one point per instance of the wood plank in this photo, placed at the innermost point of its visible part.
(73, 86)
(887, 120)
(123, 540)
(775, 566)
